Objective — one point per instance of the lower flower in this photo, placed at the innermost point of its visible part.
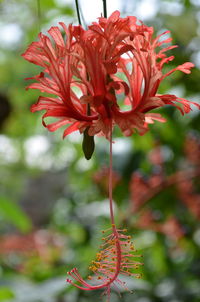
(115, 258)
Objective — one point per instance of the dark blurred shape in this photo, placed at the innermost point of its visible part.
(41, 194)
(192, 147)
(139, 188)
(189, 196)
(38, 240)
(5, 109)
(170, 227)
(155, 155)
(45, 245)
(185, 181)
(142, 189)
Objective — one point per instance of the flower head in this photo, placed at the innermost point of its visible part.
(89, 72)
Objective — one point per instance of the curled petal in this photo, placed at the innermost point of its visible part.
(151, 117)
(70, 129)
(54, 126)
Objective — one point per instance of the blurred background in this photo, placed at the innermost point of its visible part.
(53, 202)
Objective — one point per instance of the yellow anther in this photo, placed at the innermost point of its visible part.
(89, 278)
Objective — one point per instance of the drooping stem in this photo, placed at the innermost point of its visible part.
(78, 12)
(39, 14)
(110, 185)
(112, 218)
(104, 8)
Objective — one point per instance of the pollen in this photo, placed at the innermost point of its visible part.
(138, 277)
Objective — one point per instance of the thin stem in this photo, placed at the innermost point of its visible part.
(77, 11)
(104, 8)
(39, 14)
(110, 183)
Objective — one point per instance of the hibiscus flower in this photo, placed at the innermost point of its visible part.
(83, 75)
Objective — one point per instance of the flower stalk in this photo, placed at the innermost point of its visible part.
(104, 8)
(78, 12)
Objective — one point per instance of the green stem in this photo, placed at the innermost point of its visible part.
(77, 11)
(104, 8)
(39, 14)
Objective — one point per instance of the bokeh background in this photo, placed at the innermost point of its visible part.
(53, 202)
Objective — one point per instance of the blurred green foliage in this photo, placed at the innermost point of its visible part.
(52, 209)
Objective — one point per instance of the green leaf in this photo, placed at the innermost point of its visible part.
(14, 214)
(5, 293)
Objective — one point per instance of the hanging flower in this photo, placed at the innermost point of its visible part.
(84, 75)
(87, 74)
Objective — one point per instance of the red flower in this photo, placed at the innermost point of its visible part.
(83, 75)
